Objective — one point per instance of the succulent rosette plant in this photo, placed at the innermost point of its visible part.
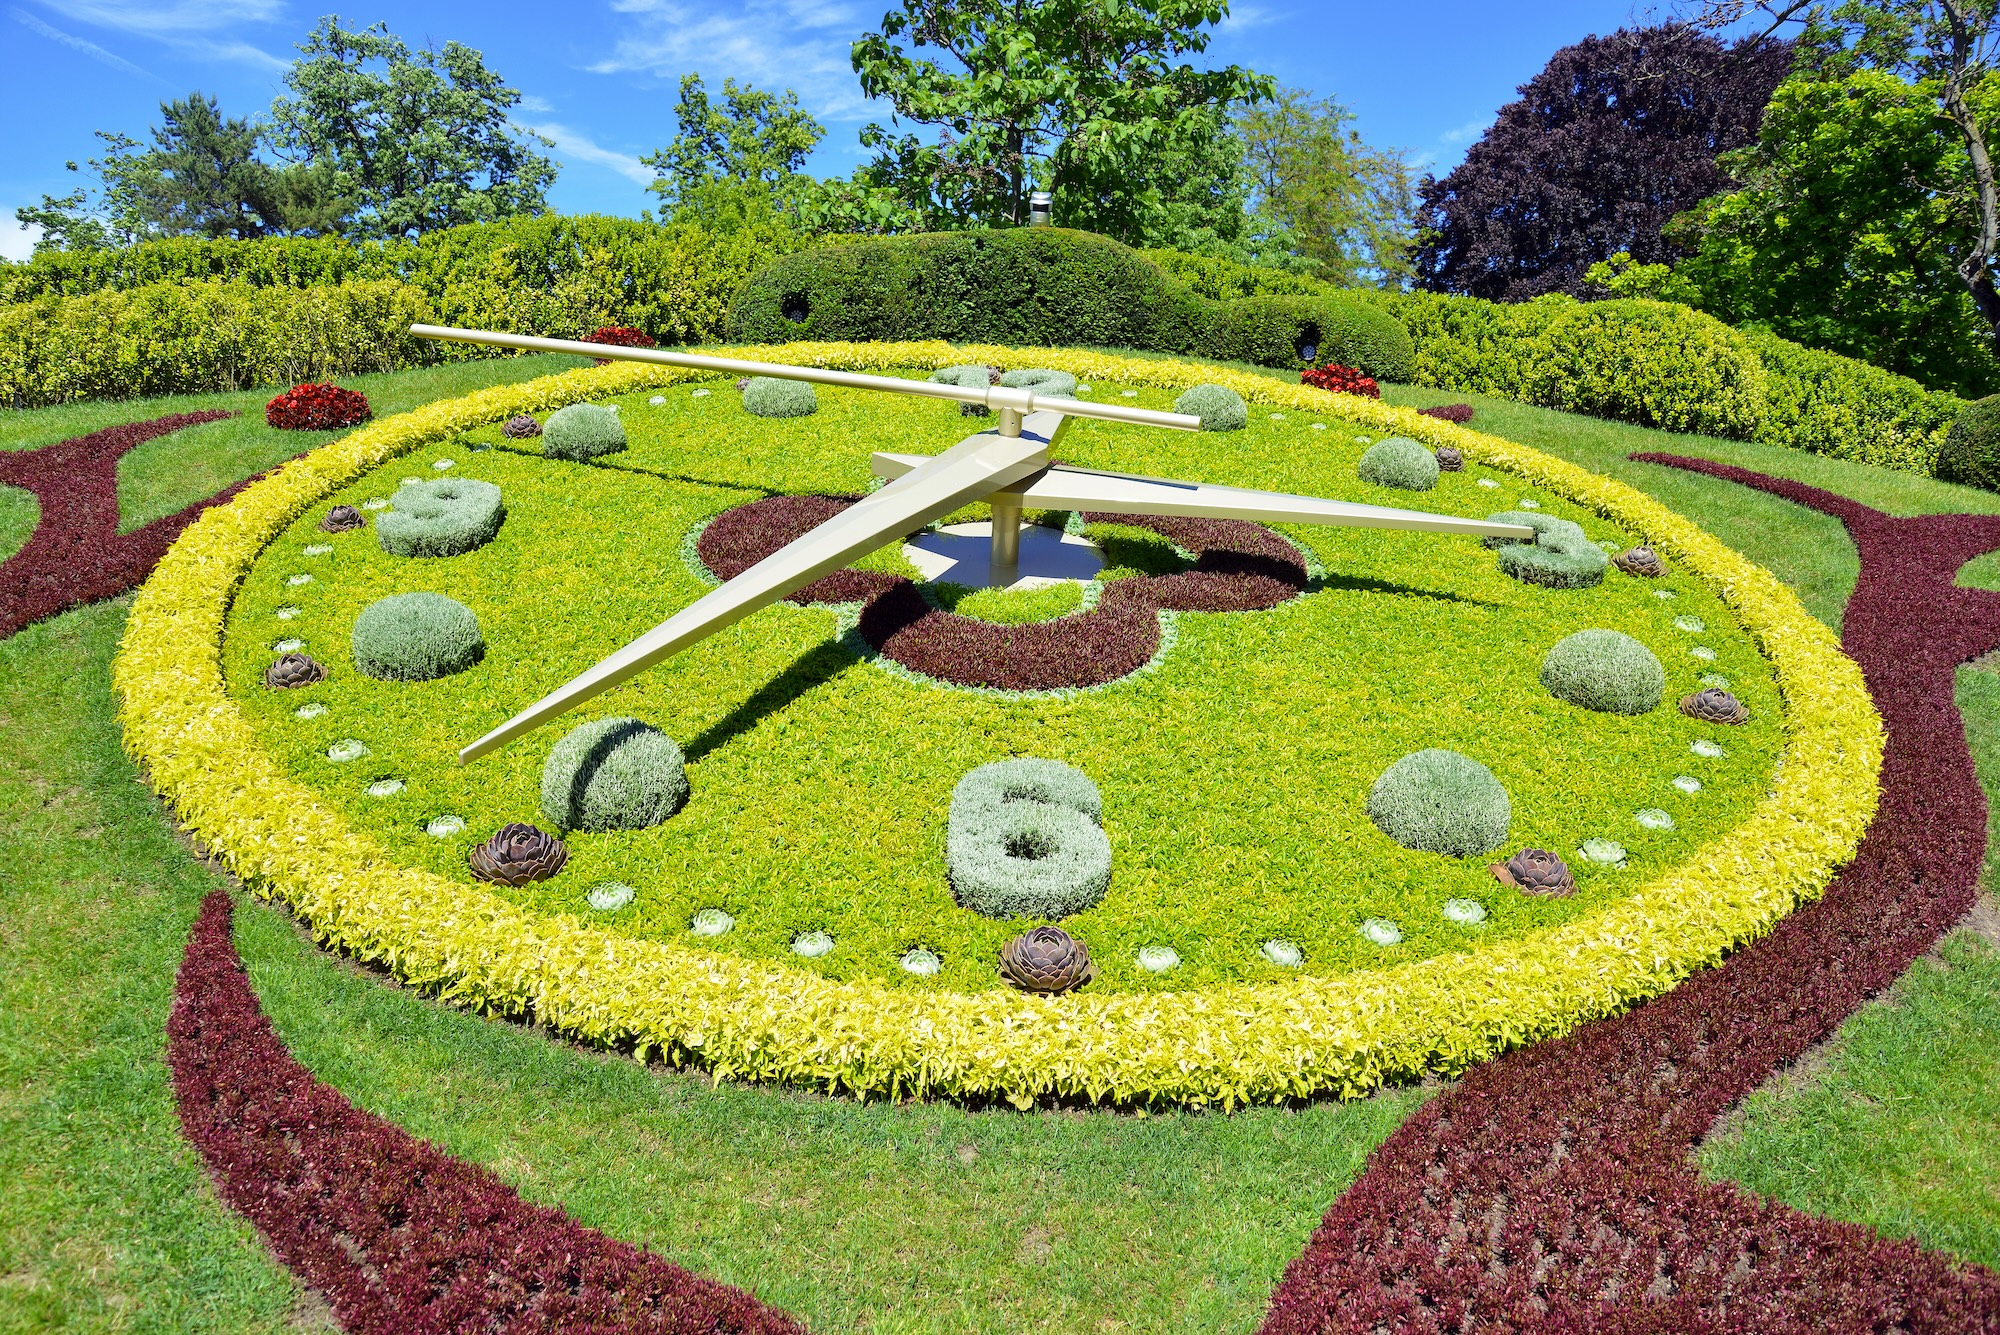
(521, 427)
(292, 670)
(1450, 460)
(1641, 561)
(1714, 705)
(1046, 959)
(1536, 871)
(342, 518)
(517, 854)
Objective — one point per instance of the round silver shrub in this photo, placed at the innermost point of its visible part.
(1399, 462)
(582, 431)
(1219, 408)
(613, 774)
(416, 637)
(1560, 557)
(1605, 670)
(1040, 380)
(768, 396)
(967, 377)
(444, 518)
(1024, 840)
(1441, 802)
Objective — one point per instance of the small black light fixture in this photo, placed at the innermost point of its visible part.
(1038, 208)
(794, 307)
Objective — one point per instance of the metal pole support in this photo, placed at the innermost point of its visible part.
(1005, 553)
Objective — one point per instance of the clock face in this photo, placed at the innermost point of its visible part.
(1233, 691)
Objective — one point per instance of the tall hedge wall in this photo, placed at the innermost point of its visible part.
(189, 316)
(194, 316)
(1053, 287)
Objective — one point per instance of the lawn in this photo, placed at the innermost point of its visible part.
(920, 1217)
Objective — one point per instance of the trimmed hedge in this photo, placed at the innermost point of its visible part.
(200, 316)
(176, 338)
(1052, 287)
(1528, 351)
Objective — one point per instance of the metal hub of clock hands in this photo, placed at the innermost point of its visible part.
(1009, 468)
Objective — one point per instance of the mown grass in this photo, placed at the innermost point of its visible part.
(1896, 1122)
(885, 1217)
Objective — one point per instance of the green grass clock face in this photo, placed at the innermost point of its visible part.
(1234, 765)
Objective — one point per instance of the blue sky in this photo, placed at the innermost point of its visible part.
(599, 76)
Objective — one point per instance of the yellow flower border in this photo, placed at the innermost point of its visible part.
(757, 1020)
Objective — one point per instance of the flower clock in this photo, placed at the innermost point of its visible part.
(1025, 790)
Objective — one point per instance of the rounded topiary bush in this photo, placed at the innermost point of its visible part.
(1562, 556)
(1971, 452)
(968, 377)
(1023, 840)
(768, 396)
(1606, 670)
(1441, 802)
(445, 518)
(416, 637)
(1219, 408)
(613, 774)
(1039, 380)
(582, 431)
(1399, 462)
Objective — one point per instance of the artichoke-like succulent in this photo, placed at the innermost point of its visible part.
(294, 670)
(341, 518)
(518, 854)
(1536, 871)
(1714, 705)
(1450, 460)
(1046, 959)
(742, 383)
(1642, 561)
(521, 427)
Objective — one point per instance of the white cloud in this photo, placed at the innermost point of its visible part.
(1470, 130)
(775, 44)
(17, 239)
(541, 104)
(160, 18)
(579, 146)
(91, 49)
(1245, 18)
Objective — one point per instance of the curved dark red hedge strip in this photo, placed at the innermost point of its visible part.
(394, 1233)
(76, 553)
(1240, 567)
(1554, 1189)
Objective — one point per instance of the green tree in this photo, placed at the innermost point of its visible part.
(1349, 208)
(1948, 49)
(420, 141)
(1090, 98)
(1851, 229)
(200, 177)
(752, 139)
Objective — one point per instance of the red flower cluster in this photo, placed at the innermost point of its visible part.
(1240, 567)
(76, 553)
(1341, 380)
(1461, 413)
(317, 408)
(621, 336)
(395, 1234)
(1553, 1189)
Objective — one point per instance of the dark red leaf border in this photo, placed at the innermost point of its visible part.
(76, 554)
(1554, 1189)
(1239, 567)
(396, 1235)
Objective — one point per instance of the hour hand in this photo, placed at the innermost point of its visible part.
(1063, 487)
(936, 486)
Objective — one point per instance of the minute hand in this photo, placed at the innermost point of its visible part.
(940, 484)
